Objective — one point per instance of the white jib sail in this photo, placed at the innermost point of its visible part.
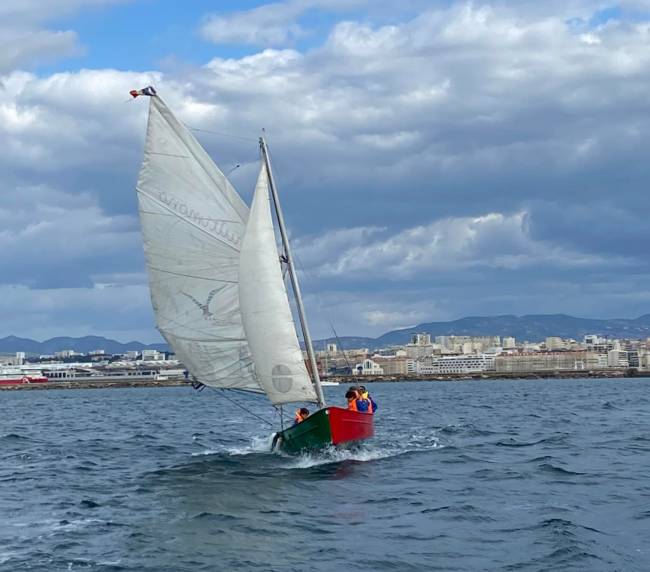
(192, 223)
(269, 326)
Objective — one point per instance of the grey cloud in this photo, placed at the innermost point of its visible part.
(385, 129)
(493, 240)
(123, 313)
(54, 239)
(19, 47)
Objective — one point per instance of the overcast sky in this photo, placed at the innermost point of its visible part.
(435, 159)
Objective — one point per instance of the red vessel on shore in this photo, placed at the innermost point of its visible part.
(18, 377)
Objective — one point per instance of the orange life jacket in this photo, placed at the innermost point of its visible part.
(352, 404)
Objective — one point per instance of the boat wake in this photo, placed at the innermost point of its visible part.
(358, 453)
(257, 444)
(365, 452)
(333, 455)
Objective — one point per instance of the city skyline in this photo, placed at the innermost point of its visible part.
(506, 176)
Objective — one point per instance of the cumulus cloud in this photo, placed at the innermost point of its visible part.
(493, 240)
(272, 24)
(269, 25)
(24, 37)
(496, 149)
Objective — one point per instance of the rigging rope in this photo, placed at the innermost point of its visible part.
(234, 402)
(220, 133)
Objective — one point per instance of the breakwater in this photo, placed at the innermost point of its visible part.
(351, 379)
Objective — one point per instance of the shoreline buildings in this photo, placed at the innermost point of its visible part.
(474, 354)
(444, 355)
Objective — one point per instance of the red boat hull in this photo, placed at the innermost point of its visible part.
(23, 380)
(346, 425)
(324, 428)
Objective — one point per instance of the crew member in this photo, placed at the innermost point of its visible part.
(365, 403)
(352, 396)
(301, 415)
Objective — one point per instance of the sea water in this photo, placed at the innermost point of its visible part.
(480, 475)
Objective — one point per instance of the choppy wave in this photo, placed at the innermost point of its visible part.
(476, 476)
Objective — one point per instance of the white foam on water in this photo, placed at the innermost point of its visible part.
(257, 444)
(206, 452)
(333, 455)
(262, 444)
(365, 453)
(76, 524)
(6, 556)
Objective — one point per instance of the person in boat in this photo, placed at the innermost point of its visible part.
(301, 415)
(352, 396)
(365, 403)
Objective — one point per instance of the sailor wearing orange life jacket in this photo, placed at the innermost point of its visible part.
(352, 396)
(301, 415)
(359, 400)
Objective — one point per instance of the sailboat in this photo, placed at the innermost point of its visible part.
(216, 279)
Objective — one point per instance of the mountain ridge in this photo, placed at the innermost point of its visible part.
(529, 327)
(85, 344)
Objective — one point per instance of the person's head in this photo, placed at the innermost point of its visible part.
(351, 394)
(363, 391)
(304, 412)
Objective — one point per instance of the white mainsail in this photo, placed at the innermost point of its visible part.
(264, 305)
(193, 222)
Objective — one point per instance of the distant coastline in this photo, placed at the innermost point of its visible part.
(350, 379)
(531, 327)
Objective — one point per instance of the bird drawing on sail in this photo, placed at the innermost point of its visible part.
(204, 307)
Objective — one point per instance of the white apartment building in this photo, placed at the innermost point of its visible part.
(152, 355)
(547, 361)
(455, 364)
(368, 367)
(617, 358)
(65, 354)
(467, 344)
(392, 365)
(553, 343)
(411, 366)
(591, 340)
(420, 346)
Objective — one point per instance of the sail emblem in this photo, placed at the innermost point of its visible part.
(205, 308)
(282, 378)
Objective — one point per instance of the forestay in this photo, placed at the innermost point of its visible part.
(265, 310)
(193, 222)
